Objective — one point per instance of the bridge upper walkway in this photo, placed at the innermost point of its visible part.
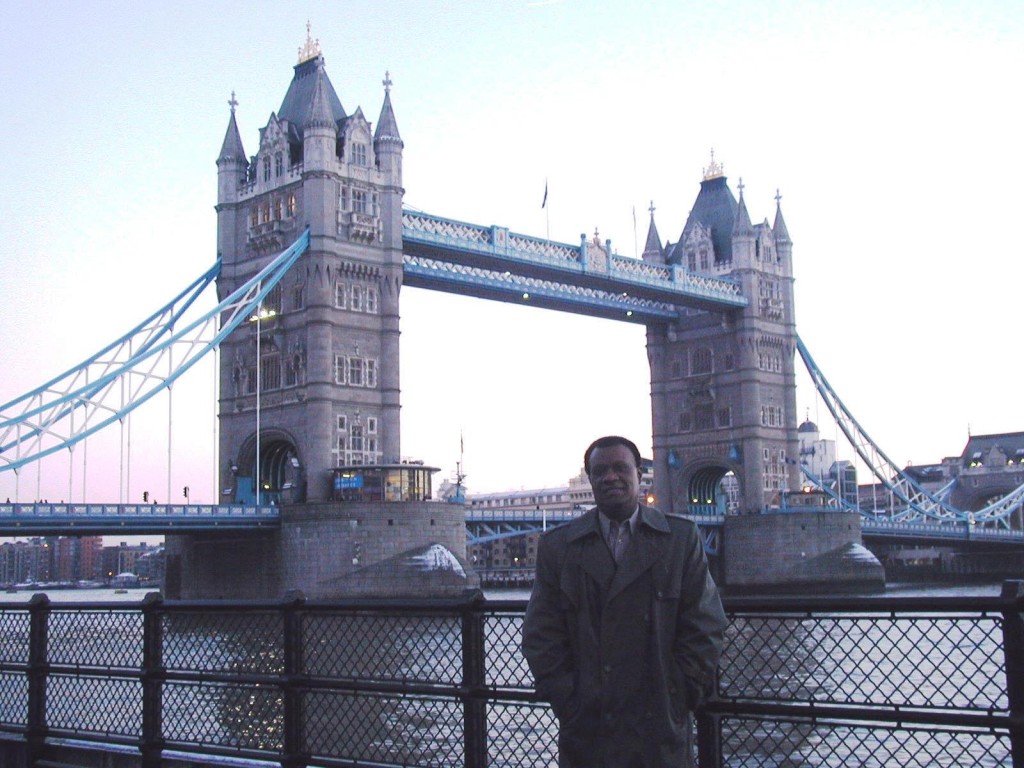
(492, 262)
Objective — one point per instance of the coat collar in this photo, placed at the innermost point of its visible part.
(649, 545)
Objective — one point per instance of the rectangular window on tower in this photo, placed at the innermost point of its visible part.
(278, 164)
(291, 205)
(357, 298)
(340, 368)
(270, 372)
(358, 153)
(266, 169)
(371, 300)
(355, 372)
(359, 201)
(340, 295)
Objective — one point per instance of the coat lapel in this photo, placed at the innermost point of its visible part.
(594, 558)
(649, 545)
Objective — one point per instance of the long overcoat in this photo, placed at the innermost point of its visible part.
(623, 653)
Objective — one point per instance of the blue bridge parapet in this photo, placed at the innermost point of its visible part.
(94, 519)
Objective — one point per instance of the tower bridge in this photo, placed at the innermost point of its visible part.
(314, 246)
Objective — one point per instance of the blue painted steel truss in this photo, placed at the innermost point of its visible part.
(104, 388)
(915, 503)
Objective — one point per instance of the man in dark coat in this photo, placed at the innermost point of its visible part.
(624, 627)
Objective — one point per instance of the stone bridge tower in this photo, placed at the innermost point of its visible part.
(321, 378)
(723, 389)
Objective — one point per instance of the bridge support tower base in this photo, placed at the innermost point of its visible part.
(799, 553)
(329, 550)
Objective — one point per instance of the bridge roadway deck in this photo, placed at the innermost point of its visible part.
(47, 519)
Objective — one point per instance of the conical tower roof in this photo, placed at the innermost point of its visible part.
(653, 245)
(779, 228)
(741, 225)
(387, 126)
(231, 148)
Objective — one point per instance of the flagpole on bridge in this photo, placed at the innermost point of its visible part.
(547, 212)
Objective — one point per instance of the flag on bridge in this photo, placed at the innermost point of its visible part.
(544, 202)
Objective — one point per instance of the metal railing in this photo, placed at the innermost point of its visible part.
(905, 681)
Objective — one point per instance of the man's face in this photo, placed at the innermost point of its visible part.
(615, 479)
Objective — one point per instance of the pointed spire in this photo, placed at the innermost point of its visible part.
(741, 225)
(652, 248)
(387, 126)
(231, 148)
(320, 115)
(779, 229)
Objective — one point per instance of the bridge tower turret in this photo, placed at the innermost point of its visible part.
(723, 388)
(312, 385)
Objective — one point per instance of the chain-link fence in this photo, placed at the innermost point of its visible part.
(809, 682)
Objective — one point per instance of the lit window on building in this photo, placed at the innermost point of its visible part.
(291, 205)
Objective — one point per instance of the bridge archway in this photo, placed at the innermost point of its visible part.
(708, 486)
(280, 477)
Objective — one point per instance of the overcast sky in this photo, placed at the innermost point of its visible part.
(894, 137)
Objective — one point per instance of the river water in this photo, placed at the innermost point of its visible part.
(524, 737)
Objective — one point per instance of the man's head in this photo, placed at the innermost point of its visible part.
(613, 465)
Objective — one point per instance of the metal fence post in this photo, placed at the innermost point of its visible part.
(709, 734)
(474, 707)
(152, 680)
(38, 670)
(1013, 647)
(294, 756)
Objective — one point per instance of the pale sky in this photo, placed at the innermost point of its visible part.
(894, 137)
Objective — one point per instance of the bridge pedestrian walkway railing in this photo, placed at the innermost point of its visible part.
(82, 519)
(821, 682)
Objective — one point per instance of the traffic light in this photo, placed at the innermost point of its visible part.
(145, 496)
(184, 491)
